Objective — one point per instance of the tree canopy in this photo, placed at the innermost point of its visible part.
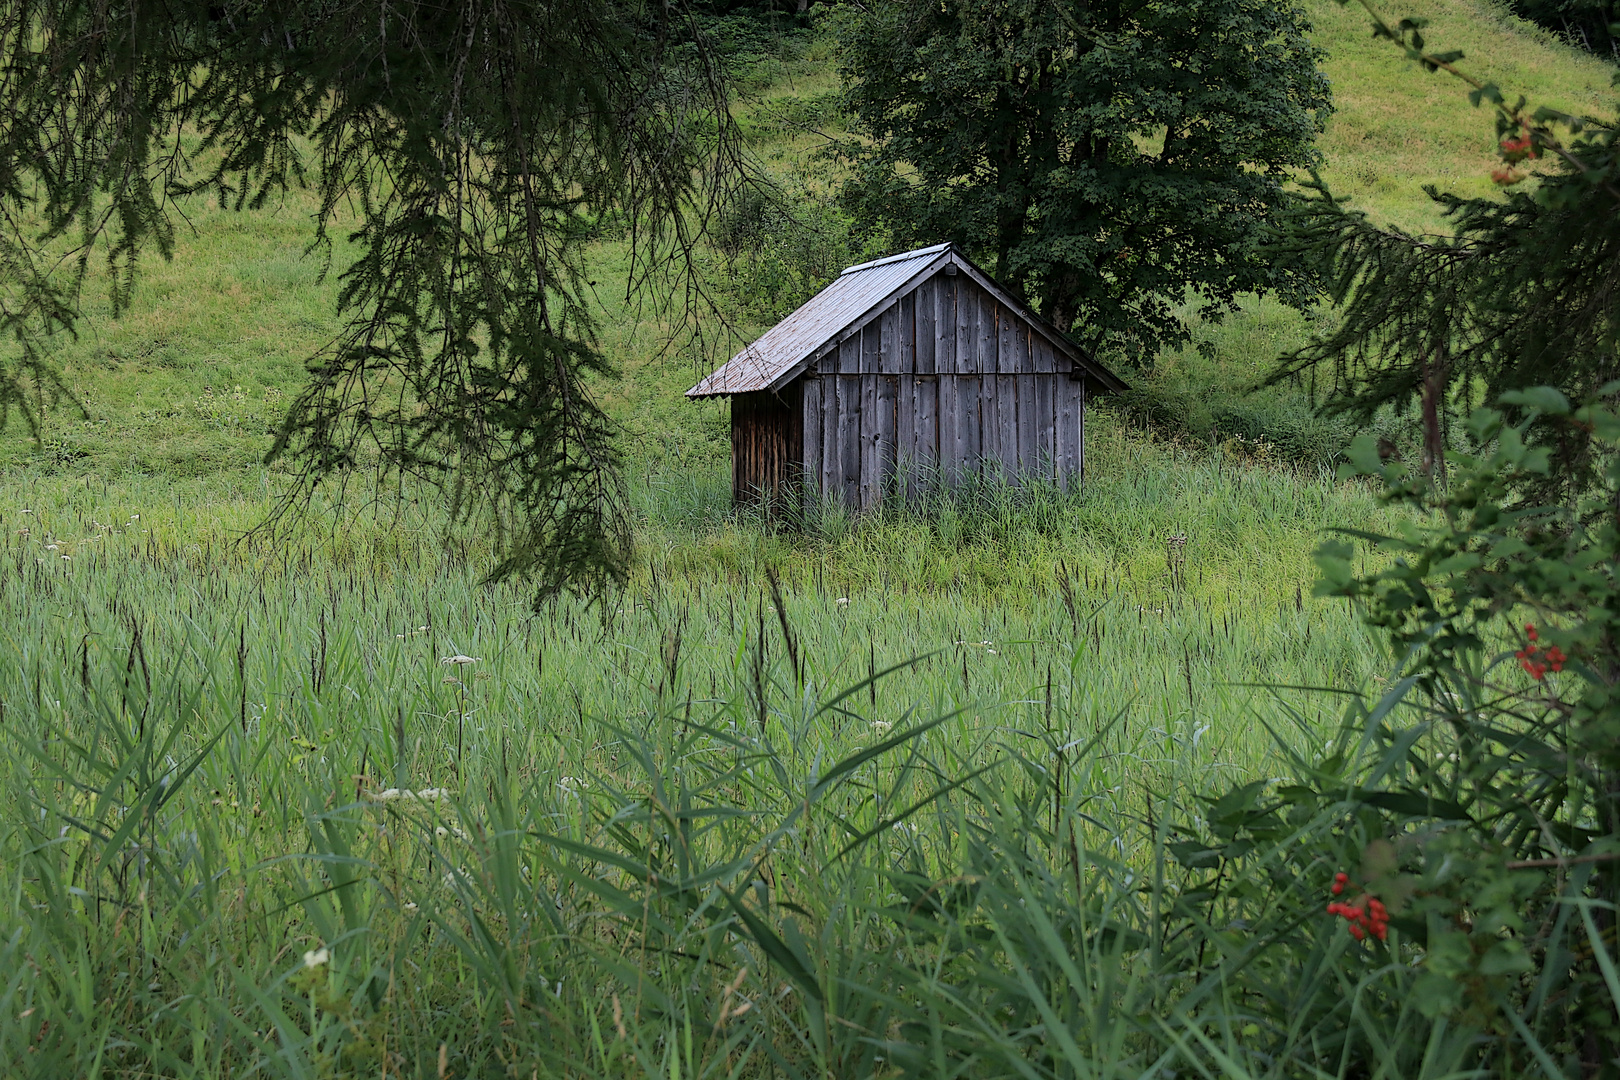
(471, 150)
(1106, 158)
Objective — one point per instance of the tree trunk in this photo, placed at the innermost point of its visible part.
(1434, 392)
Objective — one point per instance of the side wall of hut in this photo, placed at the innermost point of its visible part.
(767, 445)
(944, 385)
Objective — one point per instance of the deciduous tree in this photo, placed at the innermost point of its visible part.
(1106, 158)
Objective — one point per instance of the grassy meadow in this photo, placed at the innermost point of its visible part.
(898, 796)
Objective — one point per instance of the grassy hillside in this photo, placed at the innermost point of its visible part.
(1397, 129)
(188, 380)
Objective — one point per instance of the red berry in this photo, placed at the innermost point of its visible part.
(1338, 887)
(1357, 932)
(1380, 931)
(1530, 631)
(1341, 877)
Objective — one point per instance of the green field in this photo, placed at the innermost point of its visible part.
(717, 825)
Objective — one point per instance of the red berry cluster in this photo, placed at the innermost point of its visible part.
(1518, 149)
(1537, 660)
(1514, 151)
(1366, 916)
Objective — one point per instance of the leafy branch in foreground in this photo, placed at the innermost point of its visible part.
(1500, 855)
(472, 151)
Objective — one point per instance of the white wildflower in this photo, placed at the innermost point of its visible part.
(571, 785)
(428, 793)
(314, 958)
(410, 908)
(441, 832)
(460, 659)
(881, 726)
(843, 601)
(50, 547)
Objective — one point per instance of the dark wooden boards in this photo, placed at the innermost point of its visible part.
(943, 385)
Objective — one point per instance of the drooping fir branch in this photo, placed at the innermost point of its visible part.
(1524, 291)
(477, 148)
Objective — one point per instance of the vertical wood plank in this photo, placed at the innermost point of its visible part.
(1046, 424)
(1044, 356)
(984, 365)
(870, 421)
(967, 427)
(888, 391)
(740, 431)
(871, 348)
(908, 333)
(1080, 473)
(1028, 419)
(926, 406)
(849, 355)
(905, 433)
(1020, 361)
(989, 426)
(889, 340)
(985, 362)
(1007, 326)
(849, 439)
(1006, 421)
(967, 324)
(927, 301)
(1068, 430)
(944, 325)
(830, 421)
(810, 460)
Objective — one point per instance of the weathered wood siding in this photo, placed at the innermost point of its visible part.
(767, 444)
(942, 385)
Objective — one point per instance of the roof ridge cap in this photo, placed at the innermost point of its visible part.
(904, 256)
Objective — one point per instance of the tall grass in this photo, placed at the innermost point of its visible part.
(717, 826)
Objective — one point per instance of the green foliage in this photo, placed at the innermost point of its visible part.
(469, 153)
(781, 246)
(1587, 23)
(1101, 161)
(1480, 790)
(1519, 292)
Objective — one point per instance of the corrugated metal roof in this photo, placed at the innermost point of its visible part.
(855, 292)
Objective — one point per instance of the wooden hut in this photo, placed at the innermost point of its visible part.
(908, 370)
